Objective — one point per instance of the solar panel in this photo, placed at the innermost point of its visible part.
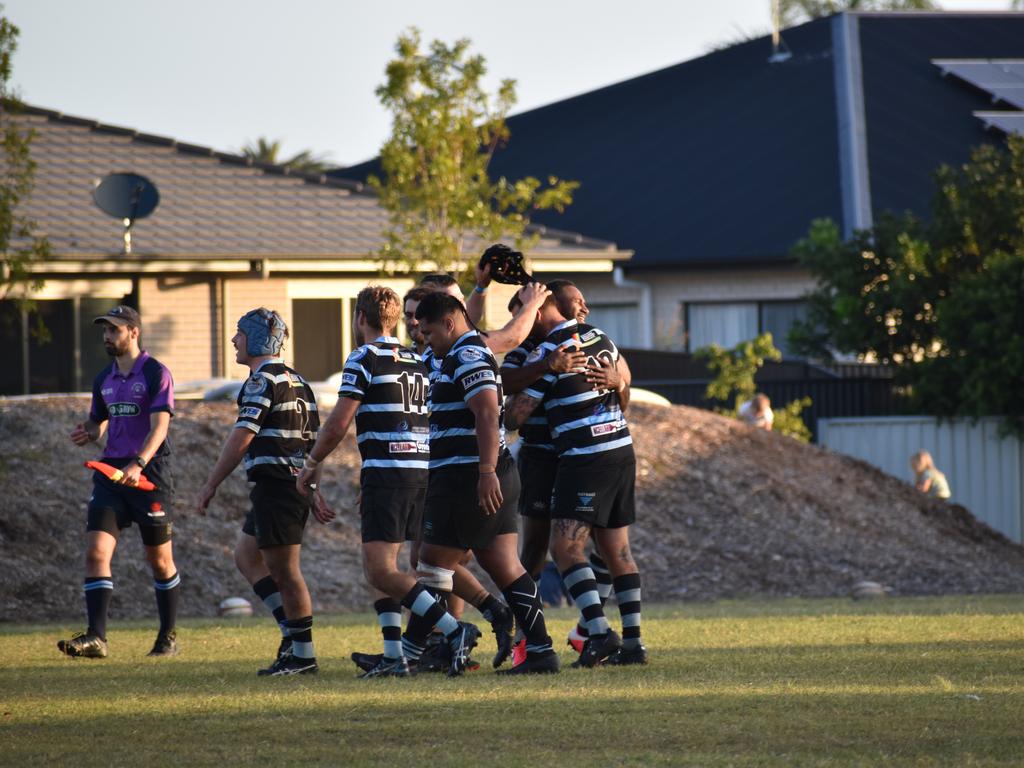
(1003, 79)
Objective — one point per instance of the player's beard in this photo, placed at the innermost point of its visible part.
(115, 349)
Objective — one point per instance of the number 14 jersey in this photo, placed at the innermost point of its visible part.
(392, 427)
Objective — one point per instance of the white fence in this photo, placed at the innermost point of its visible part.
(985, 471)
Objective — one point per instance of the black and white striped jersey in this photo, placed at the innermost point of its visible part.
(585, 423)
(468, 369)
(534, 432)
(431, 363)
(390, 383)
(279, 406)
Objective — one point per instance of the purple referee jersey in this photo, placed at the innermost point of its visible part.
(126, 401)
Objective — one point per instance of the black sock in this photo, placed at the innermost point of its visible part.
(627, 594)
(167, 591)
(389, 616)
(267, 591)
(490, 606)
(427, 607)
(524, 599)
(602, 576)
(301, 632)
(98, 590)
(579, 580)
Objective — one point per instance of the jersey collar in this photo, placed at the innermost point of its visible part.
(386, 339)
(271, 361)
(463, 337)
(561, 326)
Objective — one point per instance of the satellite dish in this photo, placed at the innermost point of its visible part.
(126, 196)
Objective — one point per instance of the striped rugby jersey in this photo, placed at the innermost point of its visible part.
(390, 383)
(585, 423)
(280, 407)
(534, 432)
(468, 369)
(432, 364)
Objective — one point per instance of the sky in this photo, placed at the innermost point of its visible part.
(223, 72)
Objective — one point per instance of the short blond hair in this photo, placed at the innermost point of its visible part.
(381, 306)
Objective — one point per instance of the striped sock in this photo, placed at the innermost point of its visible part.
(301, 631)
(602, 575)
(98, 590)
(627, 594)
(523, 598)
(389, 616)
(422, 603)
(266, 590)
(167, 591)
(579, 580)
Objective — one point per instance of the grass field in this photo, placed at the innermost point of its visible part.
(825, 682)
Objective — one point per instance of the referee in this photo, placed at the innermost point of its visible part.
(277, 424)
(132, 402)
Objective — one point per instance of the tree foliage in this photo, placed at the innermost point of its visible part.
(941, 300)
(798, 11)
(264, 150)
(434, 182)
(19, 245)
(734, 370)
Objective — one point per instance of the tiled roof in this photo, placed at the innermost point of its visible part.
(212, 204)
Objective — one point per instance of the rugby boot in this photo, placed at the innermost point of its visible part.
(519, 653)
(503, 625)
(165, 645)
(366, 661)
(389, 668)
(545, 663)
(290, 665)
(575, 640)
(457, 646)
(84, 645)
(434, 658)
(598, 648)
(626, 656)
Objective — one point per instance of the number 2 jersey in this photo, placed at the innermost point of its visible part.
(392, 427)
(587, 424)
(280, 407)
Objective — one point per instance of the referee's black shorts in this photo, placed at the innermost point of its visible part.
(537, 480)
(453, 517)
(278, 515)
(113, 506)
(600, 494)
(392, 514)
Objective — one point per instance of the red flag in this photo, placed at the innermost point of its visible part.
(116, 474)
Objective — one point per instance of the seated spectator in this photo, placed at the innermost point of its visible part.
(927, 478)
(757, 412)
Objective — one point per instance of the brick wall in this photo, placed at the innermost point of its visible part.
(180, 325)
(244, 294)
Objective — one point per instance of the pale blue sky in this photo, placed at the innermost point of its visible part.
(220, 72)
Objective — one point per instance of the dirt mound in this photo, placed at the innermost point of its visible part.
(723, 511)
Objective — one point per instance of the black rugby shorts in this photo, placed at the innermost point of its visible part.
(601, 495)
(278, 515)
(391, 514)
(537, 480)
(114, 507)
(453, 516)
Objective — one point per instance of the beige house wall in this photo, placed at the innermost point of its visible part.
(180, 324)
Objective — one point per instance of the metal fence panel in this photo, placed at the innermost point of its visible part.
(985, 471)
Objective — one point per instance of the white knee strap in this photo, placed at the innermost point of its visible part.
(436, 578)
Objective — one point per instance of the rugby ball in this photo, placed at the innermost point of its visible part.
(867, 590)
(232, 607)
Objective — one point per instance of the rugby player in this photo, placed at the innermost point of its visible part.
(277, 424)
(384, 389)
(594, 479)
(473, 484)
(132, 402)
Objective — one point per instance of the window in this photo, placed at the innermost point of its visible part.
(777, 317)
(727, 324)
(620, 321)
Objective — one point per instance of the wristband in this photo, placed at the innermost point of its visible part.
(310, 463)
(478, 289)
(141, 462)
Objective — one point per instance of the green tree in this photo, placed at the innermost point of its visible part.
(939, 300)
(734, 370)
(264, 150)
(20, 247)
(798, 11)
(434, 183)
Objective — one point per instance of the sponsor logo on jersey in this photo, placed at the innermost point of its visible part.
(603, 429)
(108, 391)
(255, 384)
(476, 378)
(138, 388)
(348, 378)
(404, 447)
(534, 356)
(591, 334)
(470, 354)
(403, 426)
(124, 409)
(249, 413)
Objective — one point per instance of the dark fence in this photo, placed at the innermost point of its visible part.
(650, 365)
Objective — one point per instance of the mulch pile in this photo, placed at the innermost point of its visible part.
(723, 511)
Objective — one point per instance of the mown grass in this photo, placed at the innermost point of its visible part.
(789, 682)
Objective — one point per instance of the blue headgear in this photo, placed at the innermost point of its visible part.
(264, 332)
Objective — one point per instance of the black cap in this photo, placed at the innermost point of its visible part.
(121, 315)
